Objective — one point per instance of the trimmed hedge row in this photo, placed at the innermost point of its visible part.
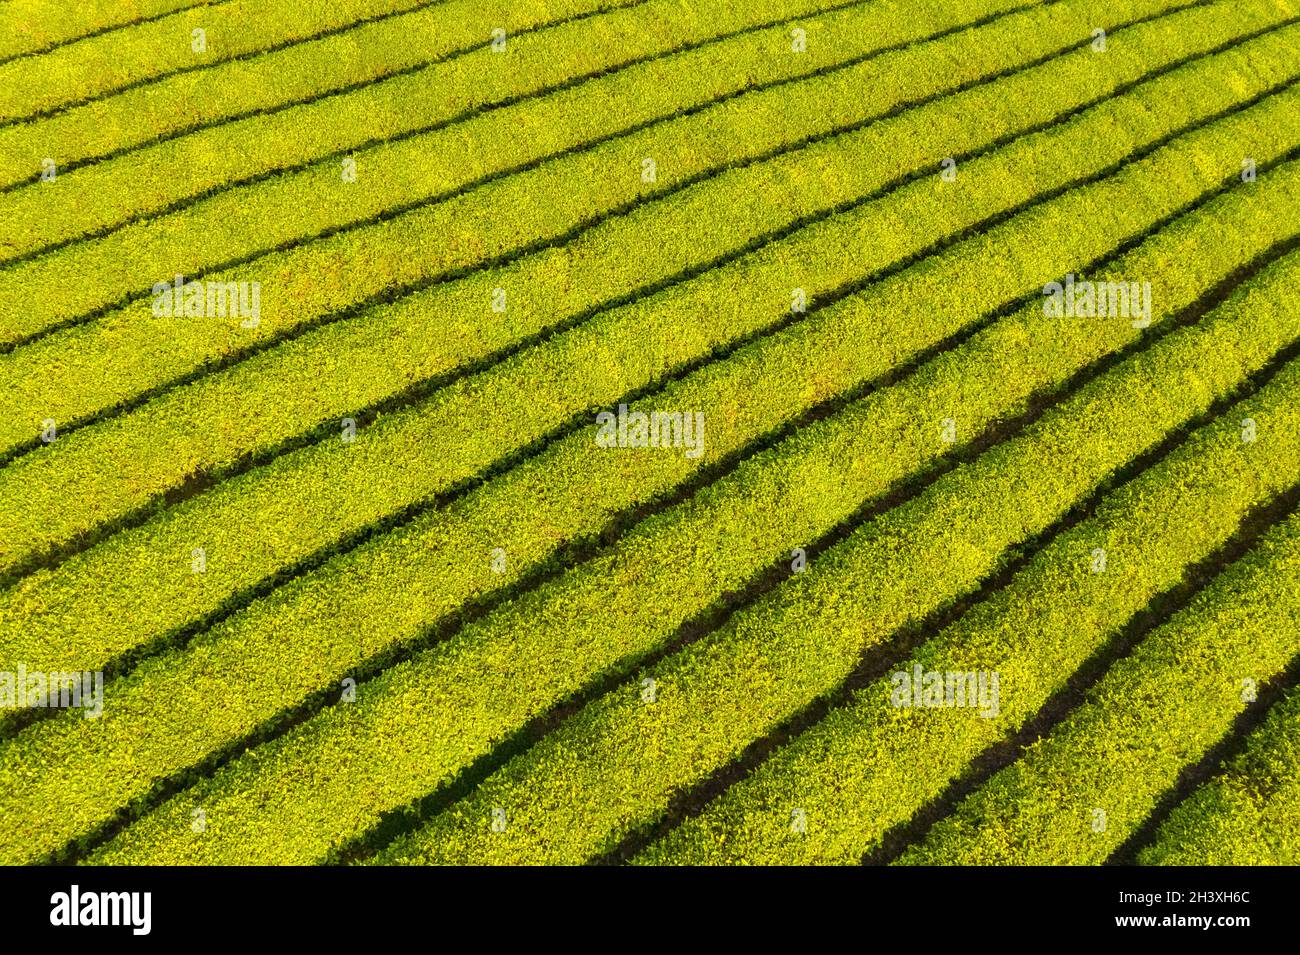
(31, 26)
(611, 769)
(283, 392)
(138, 586)
(146, 181)
(542, 204)
(286, 78)
(100, 65)
(870, 766)
(761, 198)
(574, 488)
(1250, 813)
(1081, 791)
(493, 676)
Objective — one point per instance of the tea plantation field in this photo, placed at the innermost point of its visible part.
(665, 432)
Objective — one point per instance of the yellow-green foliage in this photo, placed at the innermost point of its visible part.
(1077, 794)
(626, 756)
(837, 253)
(474, 525)
(365, 581)
(1249, 814)
(169, 173)
(34, 26)
(98, 65)
(869, 766)
(431, 171)
(369, 621)
(540, 204)
(316, 378)
(298, 73)
(495, 674)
